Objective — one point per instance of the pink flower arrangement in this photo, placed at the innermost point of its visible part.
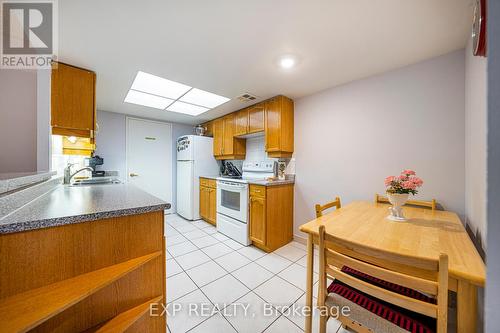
(406, 182)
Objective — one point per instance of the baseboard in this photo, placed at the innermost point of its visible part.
(300, 239)
(303, 240)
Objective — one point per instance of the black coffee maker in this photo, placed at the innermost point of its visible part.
(93, 162)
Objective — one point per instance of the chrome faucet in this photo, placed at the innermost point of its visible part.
(68, 175)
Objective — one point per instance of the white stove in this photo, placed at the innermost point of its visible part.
(232, 199)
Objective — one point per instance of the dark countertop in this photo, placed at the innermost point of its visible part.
(290, 179)
(76, 204)
(272, 182)
(210, 177)
(15, 180)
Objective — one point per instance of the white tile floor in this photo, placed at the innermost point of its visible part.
(213, 281)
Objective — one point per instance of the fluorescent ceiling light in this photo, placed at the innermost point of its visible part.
(190, 109)
(156, 85)
(203, 98)
(140, 98)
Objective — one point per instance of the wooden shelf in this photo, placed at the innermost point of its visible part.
(24, 311)
(124, 320)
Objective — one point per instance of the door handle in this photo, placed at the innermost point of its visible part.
(133, 175)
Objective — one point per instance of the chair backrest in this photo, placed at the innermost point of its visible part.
(429, 276)
(432, 204)
(319, 208)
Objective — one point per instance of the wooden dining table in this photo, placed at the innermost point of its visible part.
(426, 234)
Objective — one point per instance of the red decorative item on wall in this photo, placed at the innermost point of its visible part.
(479, 29)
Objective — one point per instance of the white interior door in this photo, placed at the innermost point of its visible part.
(149, 157)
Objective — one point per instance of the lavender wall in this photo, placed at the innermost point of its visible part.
(18, 122)
(111, 145)
(350, 137)
(475, 142)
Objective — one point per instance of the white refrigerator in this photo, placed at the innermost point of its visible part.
(194, 159)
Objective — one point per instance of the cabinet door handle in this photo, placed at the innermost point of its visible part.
(133, 175)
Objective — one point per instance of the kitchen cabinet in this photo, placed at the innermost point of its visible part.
(271, 216)
(218, 131)
(241, 122)
(250, 120)
(258, 220)
(208, 200)
(72, 101)
(209, 128)
(279, 127)
(273, 118)
(228, 141)
(84, 276)
(256, 118)
(226, 145)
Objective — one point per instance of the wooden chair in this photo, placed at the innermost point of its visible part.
(420, 203)
(335, 203)
(419, 285)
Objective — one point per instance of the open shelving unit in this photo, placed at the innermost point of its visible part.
(24, 311)
(99, 276)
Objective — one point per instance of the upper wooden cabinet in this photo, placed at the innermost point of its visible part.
(209, 128)
(274, 118)
(72, 101)
(226, 145)
(256, 119)
(279, 127)
(218, 133)
(241, 122)
(250, 120)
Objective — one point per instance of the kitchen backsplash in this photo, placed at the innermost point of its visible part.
(255, 151)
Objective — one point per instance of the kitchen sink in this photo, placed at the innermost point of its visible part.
(96, 181)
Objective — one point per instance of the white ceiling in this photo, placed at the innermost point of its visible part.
(229, 47)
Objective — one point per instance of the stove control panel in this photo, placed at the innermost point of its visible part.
(259, 166)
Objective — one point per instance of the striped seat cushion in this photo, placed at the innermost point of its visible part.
(396, 288)
(407, 320)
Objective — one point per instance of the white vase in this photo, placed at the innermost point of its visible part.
(397, 200)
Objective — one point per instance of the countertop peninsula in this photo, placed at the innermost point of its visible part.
(75, 204)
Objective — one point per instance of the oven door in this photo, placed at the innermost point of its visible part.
(232, 200)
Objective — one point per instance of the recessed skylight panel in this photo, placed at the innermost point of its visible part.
(159, 93)
(156, 85)
(203, 98)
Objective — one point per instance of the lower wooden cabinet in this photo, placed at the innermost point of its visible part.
(208, 200)
(271, 216)
(258, 220)
(85, 277)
